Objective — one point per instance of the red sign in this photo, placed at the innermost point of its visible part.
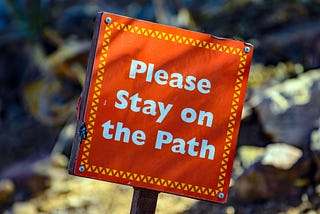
(161, 108)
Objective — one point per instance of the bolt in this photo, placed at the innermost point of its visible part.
(81, 168)
(221, 195)
(108, 20)
(247, 49)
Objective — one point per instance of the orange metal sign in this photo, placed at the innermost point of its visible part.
(161, 108)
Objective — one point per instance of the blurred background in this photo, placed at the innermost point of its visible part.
(44, 47)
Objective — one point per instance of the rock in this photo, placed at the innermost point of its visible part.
(281, 156)
(251, 132)
(318, 189)
(277, 175)
(24, 208)
(7, 189)
(230, 210)
(58, 160)
(28, 178)
(28, 139)
(315, 148)
(262, 76)
(298, 43)
(261, 182)
(250, 154)
(283, 31)
(288, 110)
(72, 194)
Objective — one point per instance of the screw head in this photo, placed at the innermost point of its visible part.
(221, 195)
(108, 20)
(81, 168)
(247, 49)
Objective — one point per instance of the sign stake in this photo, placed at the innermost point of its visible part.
(144, 201)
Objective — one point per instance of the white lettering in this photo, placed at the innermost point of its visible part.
(122, 134)
(148, 107)
(188, 115)
(179, 145)
(161, 77)
(121, 97)
(137, 67)
(163, 138)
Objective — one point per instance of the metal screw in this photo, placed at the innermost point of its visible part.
(221, 195)
(108, 20)
(247, 49)
(81, 168)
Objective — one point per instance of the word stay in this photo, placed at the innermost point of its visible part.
(148, 107)
(160, 109)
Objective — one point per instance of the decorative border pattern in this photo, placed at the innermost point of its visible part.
(97, 91)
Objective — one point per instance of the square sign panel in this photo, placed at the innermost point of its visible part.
(161, 108)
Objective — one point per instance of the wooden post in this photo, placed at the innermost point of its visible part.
(144, 201)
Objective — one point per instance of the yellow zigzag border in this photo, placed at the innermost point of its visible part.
(97, 91)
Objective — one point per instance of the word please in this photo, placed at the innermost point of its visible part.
(174, 80)
(191, 147)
